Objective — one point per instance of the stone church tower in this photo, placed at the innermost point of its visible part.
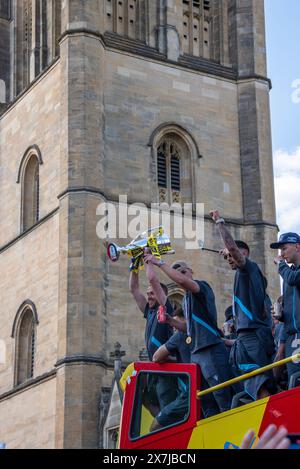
(160, 100)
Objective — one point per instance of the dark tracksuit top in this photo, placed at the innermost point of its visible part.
(291, 297)
(201, 316)
(250, 299)
(177, 410)
(177, 345)
(291, 312)
(207, 348)
(160, 389)
(156, 334)
(254, 347)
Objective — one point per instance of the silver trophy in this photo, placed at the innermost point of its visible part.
(155, 239)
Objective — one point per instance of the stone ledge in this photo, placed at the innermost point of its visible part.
(207, 66)
(81, 189)
(79, 359)
(28, 385)
(132, 45)
(114, 199)
(33, 227)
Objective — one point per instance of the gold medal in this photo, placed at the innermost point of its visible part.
(188, 340)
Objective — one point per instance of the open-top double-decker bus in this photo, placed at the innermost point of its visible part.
(189, 430)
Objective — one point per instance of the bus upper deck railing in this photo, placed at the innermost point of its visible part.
(296, 356)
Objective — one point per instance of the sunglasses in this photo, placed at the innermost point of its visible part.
(177, 266)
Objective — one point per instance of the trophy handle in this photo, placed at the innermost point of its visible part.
(113, 252)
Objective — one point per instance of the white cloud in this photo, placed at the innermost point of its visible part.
(287, 189)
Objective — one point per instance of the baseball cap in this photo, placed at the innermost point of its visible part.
(286, 238)
(178, 265)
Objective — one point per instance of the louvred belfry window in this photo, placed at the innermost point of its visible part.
(162, 166)
(168, 171)
(175, 169)
(126, 17)
(196, 27)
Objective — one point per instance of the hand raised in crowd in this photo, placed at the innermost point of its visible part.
(215, 215)
(224, 253)
(278, 259)
(272, 438)
(148, 257)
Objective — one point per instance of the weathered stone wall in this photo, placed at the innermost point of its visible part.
(29, 266)
(93, 115)
(33, 120)
(28, 418)
(29, 270)
(139, 97)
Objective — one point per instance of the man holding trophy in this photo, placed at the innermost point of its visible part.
(207, 347)
(159, 392)
(203, 336)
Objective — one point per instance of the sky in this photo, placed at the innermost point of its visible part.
(283, 51)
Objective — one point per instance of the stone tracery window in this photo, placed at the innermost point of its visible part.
(174, 170)
(197, 27)
(175, 159)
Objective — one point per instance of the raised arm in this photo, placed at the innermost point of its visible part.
(155, 283)
(290, 276)
(140, 299)
(228, 239)
(177, 277)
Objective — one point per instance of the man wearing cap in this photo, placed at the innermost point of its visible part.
(207, 347)
(254, 347)
(289, 245)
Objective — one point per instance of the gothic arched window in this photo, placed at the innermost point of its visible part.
(197, 27)
(31, 193)
(24, 333)
(174, 178)
(29, 177)
(175, 160)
